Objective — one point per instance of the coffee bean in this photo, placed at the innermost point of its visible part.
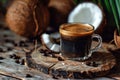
(22, 62)
(28, 75)
(9, 48)
(1, 58)
(55, 77)
(14, 56)
(15, 44)
(61, 58)
(94, 64)
(45, 50)
(23, 44)
(9, 41)
(42, 51)
(5, 35)
(46, 54)
(1, 50)
(17, 61)
(10, 56)
(17, 57)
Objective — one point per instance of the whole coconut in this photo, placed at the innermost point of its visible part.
(28, 18)
(59, 11)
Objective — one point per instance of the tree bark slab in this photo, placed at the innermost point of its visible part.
(99, 64)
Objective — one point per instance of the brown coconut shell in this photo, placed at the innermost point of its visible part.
(28, 18)
(59, 11)
(117, 39)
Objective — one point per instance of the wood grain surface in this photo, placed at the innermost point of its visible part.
(13, 65)
(98, 65)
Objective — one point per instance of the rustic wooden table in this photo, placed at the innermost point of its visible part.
(13, 64)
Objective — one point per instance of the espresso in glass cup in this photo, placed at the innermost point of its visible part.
(76, 40)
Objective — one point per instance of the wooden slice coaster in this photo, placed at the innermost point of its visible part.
(98, 65)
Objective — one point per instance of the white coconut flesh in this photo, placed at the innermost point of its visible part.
(49, 44)
(86, 12)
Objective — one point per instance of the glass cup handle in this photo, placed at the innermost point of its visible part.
(98, 37)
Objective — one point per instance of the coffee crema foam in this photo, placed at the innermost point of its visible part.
(76, 29)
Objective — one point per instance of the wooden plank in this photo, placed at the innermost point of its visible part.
(12, 57)
(10, 68)
(98, 65)
(12, 44)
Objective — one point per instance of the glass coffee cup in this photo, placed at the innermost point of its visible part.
(76, 40)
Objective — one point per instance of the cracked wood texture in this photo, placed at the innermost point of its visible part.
(98, 65)
(13, 60)
(13, 63)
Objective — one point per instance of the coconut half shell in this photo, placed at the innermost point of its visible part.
(48, 42)
(87, 12)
